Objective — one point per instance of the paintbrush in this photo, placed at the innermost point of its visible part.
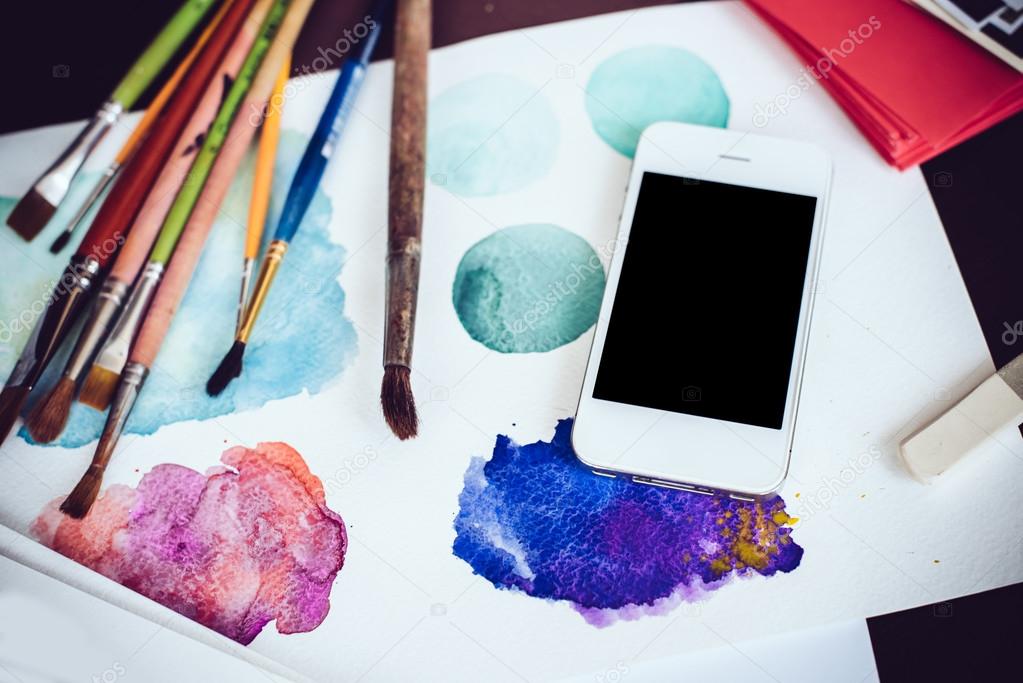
(179, 272)
(109, 228)
(48, 418)
(37, 207)
(405, 212)
(303, 186)
(261, 184)
(138, 133)
(140, 266)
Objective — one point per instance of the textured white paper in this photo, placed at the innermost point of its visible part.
(893, 340)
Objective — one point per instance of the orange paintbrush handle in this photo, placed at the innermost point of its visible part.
(200, 222)
(263, 180)
(156, 106)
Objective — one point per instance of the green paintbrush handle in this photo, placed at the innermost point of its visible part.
(163, 47)
(187, 196)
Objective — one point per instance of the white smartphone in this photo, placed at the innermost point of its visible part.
(693, 379)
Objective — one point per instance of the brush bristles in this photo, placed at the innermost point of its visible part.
(31, 215)
(79, 501)
(228, 369)
(398, 402)
(49, 417)
(61, 242)
(99, 387)
(11, 400)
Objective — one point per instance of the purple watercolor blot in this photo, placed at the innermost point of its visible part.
(534, 519)
(232, 549)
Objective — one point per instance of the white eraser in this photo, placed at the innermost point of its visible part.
(930, 451)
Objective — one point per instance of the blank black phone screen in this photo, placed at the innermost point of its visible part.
(705, 317)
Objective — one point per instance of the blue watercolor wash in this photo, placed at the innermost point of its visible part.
(533, 519)
(301, 342)
(528, 288)
(490, 135)
(640, 86)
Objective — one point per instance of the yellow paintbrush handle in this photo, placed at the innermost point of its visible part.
(263, 181)
(156, 106)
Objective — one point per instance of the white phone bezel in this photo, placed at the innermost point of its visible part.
(685, 451)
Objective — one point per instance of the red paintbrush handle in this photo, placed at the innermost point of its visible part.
(109, 229)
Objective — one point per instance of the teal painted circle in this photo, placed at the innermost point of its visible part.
(490, 135)
(635, 88)
(528, 288)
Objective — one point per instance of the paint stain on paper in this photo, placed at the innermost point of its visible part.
(533, 519)
(245, 544)
(301, 343)
(640, 86)
(528, 288)
(489, 135)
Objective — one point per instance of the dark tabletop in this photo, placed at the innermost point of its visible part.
(61, 58)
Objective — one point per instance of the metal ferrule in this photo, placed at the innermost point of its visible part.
(97, 190)
(132, 379)
(243, 296)
(104, 313)
(267, 272)
(115, 351)
(65, 302)
(402, 293)
(54, 183)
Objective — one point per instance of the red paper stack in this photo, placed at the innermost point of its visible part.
(911, 84)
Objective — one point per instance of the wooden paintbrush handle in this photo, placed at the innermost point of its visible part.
(407, 177)
(110, 226)
(408, 120)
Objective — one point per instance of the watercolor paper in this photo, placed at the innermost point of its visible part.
(894, 338)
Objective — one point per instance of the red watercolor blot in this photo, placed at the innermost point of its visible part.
(233, 549)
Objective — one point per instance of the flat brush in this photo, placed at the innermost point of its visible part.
(405, 212)
(179, 272)
(303, 186)
(262, 184)
(48, 418)
(140, 262)
(37, 207)
(137, 134)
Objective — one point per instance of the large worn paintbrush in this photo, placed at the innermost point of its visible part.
(110, 227)
(49, 416)
(138, 133)
(303, 186)
(405, 212)
(37, 207)
(186, 256)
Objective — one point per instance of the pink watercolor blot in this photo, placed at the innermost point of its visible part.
(245, 544)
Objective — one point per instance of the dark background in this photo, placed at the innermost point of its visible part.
(975, 187)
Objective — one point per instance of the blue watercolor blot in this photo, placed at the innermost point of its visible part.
(490, 135)
(301, 342)
(535, 520)
(528, 288)
(640, 86)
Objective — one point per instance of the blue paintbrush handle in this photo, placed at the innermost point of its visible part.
(332, 122)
